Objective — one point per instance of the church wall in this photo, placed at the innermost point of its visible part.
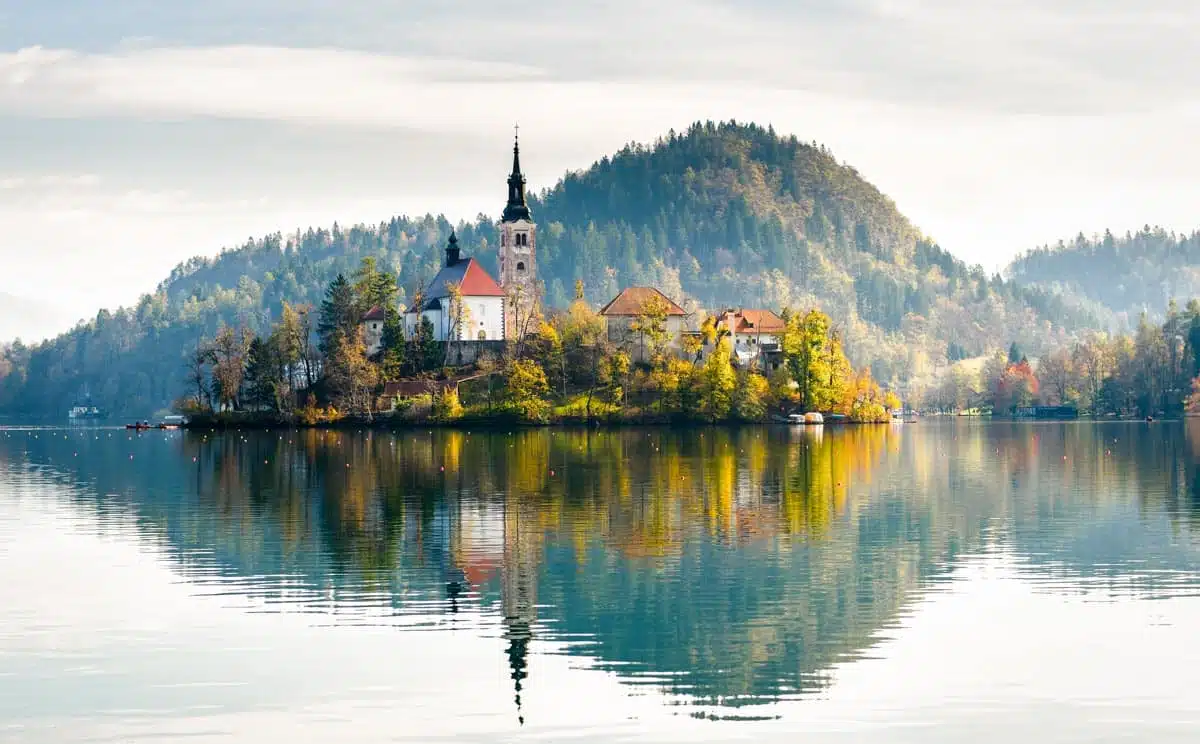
(484, 314)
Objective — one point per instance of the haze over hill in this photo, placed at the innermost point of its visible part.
(138, 134)
(720, 215)
(1119, 275)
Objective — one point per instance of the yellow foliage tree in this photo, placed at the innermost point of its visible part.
(751, 396)
(717, 382)
(527, 390)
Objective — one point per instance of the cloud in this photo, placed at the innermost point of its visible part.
(148, 132)
(1009, 56)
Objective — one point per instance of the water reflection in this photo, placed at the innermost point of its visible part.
(729, 568)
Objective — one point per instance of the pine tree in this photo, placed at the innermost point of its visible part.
(339, 314)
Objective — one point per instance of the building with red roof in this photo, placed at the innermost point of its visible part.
(754, 334)
(479, 317)
(464, 302)
(621, 316)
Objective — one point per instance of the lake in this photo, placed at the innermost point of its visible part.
(923, 582)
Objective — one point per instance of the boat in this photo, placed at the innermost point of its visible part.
(138, 426)
(172, 422)
(84, 413)
(808, 419)
(83, 410)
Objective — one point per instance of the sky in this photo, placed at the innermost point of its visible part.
(137, 133)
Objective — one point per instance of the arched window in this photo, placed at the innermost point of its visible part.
(520, 265)
(482, 335)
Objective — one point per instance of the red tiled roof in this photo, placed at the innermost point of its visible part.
(473, 278)
(476, 282)
(632, 299)
(753, 321)
(375, 313)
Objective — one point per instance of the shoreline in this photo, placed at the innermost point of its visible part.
(496, 423)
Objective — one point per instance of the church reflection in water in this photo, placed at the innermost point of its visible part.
(724, 567)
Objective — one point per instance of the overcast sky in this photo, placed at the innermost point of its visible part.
(136, 133)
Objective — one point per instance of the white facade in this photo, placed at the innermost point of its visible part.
(483, 320)
(372, 331)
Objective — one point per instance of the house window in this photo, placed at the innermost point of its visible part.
(520, 265)
(483, 335)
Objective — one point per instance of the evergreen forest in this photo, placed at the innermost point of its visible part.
(720, 215)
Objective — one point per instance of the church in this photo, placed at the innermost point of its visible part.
(488, 311)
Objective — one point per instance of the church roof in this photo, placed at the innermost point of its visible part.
(375, 313)
(632, 299)
(473, 278)
(516, 209)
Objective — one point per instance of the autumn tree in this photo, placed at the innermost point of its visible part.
(446, 404)
(751, 396)
(460, 321)
(526, 391)
(198, 374)
(650, 326)
(229, 352)
(350, 377)
(1057, 375)
(717, 381)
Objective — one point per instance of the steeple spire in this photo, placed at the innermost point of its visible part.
(516, 209)
(452, 250)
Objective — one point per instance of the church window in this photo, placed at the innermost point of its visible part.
(520, 265)
(502, 241)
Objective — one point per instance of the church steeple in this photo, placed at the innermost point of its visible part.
(516, 209)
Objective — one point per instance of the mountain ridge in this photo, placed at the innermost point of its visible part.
(722, 214)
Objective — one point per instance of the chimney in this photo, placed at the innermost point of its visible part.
(452, 252)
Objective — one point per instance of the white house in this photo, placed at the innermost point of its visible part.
(752, 332)
(372, 330)
(481, 315)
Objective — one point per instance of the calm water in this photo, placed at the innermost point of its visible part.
(926, 582)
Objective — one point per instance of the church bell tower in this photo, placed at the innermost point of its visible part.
(518, 256)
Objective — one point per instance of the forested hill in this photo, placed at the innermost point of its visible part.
(1139, 272)
(720, 215)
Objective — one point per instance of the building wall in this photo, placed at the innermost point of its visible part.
(750, 341)
(484, 314)
(620, 333)
(518, 267)
(372, 331)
